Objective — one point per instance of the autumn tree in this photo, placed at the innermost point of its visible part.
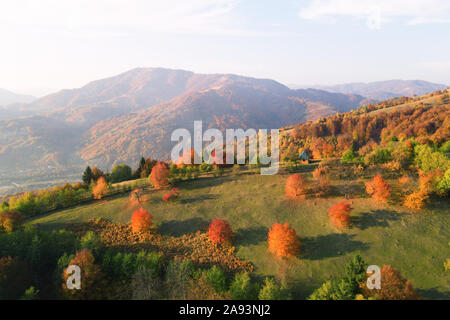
(321, 181)
(100, 189)
(136, 198)
(141, 221)
(393, 286)
(283, 241)
(220, 231)
(296, 186)
(171, 195)
(97, 173)
(416, 200)
(379, 189)
(340, 214)
(10, 221)
(160, 175)
(90, 275)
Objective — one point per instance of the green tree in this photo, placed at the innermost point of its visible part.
(217, 278)
(272, 291)
(87, 175)
(120, 173)
(92, 242)
(242, 287)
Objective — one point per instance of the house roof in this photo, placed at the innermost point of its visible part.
(303, 156)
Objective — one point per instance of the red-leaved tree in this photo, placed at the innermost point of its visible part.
(160, 175)
(283, 241)
(340, 214)
(296, 186)
(141, 221)
(171, 195)
(220, 231)
(379, 189)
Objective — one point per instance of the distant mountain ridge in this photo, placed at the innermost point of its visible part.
(382, 90)
(8, 97)
(121, 118)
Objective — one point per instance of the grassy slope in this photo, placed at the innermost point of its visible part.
(415, 243)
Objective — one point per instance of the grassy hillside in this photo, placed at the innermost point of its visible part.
(416, 243)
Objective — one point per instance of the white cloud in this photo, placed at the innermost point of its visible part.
(376, 12)
(172, 16)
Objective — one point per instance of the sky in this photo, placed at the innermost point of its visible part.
(48, 45)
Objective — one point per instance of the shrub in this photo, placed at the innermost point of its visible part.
(415, 200)
(242, 287)
(141, 221)
(340, 214)
(10, 221)
(100, 189)
(217, 278)
(283, 241)
(220, 231)
(171, 195)
(378, 156)
(30, 294)
(272, 291)
(443, 185)
(379, 189)
(321, 180)
(160, 175)
(296, 186)
(447, 265)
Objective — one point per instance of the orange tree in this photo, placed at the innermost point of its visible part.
(160, 175)
(340, 214)
(141, 221)
(220, 231)
(100, 189)
(296, 186)
(283, 241)
(171, 195)
(90, 276)
(393, 286)
(379, 189)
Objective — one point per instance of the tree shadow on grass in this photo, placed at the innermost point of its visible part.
(203, 183)
(434, 293)
(197, 198)
(330, 245)
(250, 236)
(375, 218)
(178, 228)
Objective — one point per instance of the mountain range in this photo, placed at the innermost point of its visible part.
(383, 90)
(122, 118)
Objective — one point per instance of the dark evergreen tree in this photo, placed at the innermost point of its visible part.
(87, 175)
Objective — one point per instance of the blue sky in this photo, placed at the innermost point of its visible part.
(54, 44)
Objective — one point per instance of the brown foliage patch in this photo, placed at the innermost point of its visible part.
(196, 246)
